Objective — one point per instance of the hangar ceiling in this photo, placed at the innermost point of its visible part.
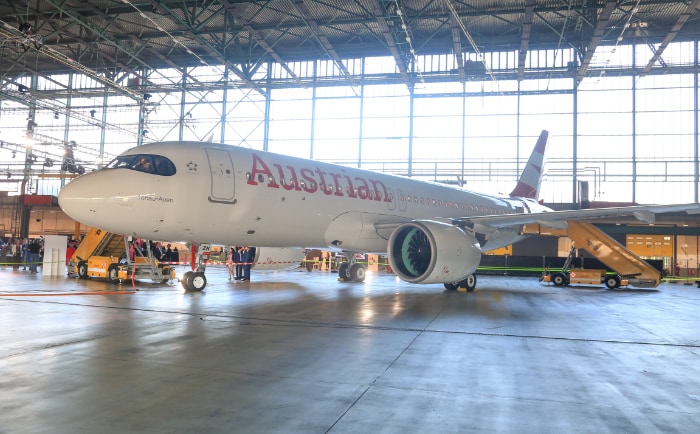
(112, 39)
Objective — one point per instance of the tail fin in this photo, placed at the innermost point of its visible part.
(529, 182)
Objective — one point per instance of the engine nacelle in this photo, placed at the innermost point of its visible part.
(277, 258)
(427, 251)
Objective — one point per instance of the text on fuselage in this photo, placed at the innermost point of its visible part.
(313, 180)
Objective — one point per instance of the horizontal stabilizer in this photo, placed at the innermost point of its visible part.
(645, 216)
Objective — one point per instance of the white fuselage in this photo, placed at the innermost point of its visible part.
(238, 196)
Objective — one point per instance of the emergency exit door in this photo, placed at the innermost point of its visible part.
(223, 186)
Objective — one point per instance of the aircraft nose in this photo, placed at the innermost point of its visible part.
(80, 199)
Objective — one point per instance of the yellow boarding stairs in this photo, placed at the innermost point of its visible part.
(629, 267)
(104, 255)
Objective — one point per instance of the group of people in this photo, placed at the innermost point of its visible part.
(162, 254)
(239, 261)
(165, 254)
(27, 253)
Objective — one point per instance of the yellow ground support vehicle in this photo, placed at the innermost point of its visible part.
(629, 268)
(586, 277)
(568, 275)
(104, 255)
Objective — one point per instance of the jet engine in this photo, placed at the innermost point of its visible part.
(277, 258)
(426, 251)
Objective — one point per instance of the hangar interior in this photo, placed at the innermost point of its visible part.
(447, 91)
(451, 91)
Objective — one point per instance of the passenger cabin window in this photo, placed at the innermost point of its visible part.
(147, 163)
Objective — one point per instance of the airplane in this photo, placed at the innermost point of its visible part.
(205, 193)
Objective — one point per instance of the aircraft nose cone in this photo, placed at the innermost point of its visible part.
(78, 198)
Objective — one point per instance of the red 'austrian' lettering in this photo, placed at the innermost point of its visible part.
(313, 180)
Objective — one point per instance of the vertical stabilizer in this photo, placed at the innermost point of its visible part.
(529, 182)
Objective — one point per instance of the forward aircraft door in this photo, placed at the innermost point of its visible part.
(223, 186)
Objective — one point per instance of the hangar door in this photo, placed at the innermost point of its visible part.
(223, 185)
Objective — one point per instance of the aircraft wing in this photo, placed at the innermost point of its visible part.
(558, 219)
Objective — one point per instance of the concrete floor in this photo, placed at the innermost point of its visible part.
(300, 352)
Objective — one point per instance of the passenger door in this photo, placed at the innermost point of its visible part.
(223, 185)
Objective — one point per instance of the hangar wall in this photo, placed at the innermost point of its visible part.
(633, 139)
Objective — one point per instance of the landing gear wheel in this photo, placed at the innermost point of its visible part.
(451, 286)
(558, 279)
(343, 274)
(197, 281)
(357, 273)
(183, 280)
(469, 283)
(82, 270)
(113, 273)
(612, 282)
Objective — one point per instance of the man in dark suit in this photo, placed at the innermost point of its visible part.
(245, 262)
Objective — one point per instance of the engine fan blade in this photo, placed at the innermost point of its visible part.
(418, 252)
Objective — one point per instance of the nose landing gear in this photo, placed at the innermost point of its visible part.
(195, 280)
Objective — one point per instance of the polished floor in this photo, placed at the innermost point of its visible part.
(299, 352)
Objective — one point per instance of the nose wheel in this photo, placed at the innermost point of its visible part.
(196, 280)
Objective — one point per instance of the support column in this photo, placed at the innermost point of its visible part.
(181, 132)
(634, 127)
(574, 168)
(411, 100)
(362, 116)
(224, 108)
(696, 118)
(268, 101)
(464, 133)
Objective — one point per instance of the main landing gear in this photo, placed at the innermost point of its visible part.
(469, 283)
(195, 280)
(352, 271)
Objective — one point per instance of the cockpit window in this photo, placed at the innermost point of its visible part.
(147, 163)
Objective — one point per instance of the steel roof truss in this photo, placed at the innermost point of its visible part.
(680, 22)
(525, 37)
(601, 25)
(322, 39)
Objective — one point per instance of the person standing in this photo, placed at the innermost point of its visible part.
(245, 262)
(33, 252)
(229, 261)
(168, 255)
(249, 263)
(5, 253)
(70, 251)
(25, 254)
(16, 253)
(238, 268)
(238, 263)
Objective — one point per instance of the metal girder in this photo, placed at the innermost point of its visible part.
(138, 43)
(51, 105)
(399, 57)
(134, 56)
(471, 40)
(682, 19)
(77, 66)
(525, 36)
(457, 46)
(601, 25)
(260, 40)
(207, 45)
(322, 39)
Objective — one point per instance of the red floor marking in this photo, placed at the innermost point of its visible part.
(47, 294)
